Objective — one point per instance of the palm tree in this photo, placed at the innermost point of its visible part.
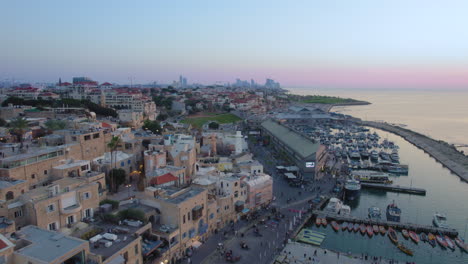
(18, 128)
(113, 145)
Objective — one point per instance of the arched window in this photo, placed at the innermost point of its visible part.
(33, 176)
(9, 196)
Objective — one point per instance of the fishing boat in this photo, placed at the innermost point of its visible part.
(318, 221)
(461, 244)
(405, 249)
(393, 212)
(414, 236)
(405, 233)
(392, 235)
(450, 243)
(375, 229)
(431, 239)
(335, 226)
(324, 222)
(345, 210)
(356, 227)
(441, 241)
(374, 213)
(440, 220)
(369, 230)
(350, 227)
(423, 237)
(344, 225)
(382, 230)
(362, 228)
(352, 189)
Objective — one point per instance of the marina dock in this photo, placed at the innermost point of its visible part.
(415, 227)
(394, 188)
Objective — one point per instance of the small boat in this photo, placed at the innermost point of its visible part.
(344, 225)
(369, 230)
(318, 221)
(431, 239)
(441, 241)
(335, 226)
(450, 243)
(405, 233)
(374, 213)
(324, 221)
(440, 220)
(382, 230)
(414, 236)
(461, 244)
(393, 212)
(362, 228)
(356, 227)
(392, 235)
(375, 229)
(423, 237)
(350, 227)
(405, 249)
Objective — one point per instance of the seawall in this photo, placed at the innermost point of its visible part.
(441, 151)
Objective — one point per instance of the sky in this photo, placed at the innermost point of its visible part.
(315, 43)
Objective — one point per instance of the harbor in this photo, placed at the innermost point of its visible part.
(395, 188)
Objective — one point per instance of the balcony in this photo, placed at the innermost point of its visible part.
(197, 212)
(71, 209)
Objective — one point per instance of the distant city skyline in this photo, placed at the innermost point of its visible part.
(338, 44)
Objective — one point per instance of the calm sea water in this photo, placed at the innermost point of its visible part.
(445, 192)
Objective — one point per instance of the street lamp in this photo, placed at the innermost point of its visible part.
(128, 190)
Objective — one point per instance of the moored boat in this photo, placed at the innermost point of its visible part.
(318, 221)
(382, 230)
(375, 229)
(352, 189)
(344, 225)
(369, 231)
(431, 239)
(362, 228)
(450, 243)
(393, 212)
(356, 227)
(405, 233)
(374, 213)
(423, 237)
(440, 220)
(335, 226)
(461, 244)
(405, 249)
(441, 241)
(392, 235)
(324, 222)
(350, 227)
(414, 236)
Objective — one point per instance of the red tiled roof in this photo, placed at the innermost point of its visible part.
(105, 124)
(3, 244)
(165, 178)
(106, 84)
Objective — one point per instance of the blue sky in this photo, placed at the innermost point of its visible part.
(300, 43)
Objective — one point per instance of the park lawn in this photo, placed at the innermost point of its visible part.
(220, 118)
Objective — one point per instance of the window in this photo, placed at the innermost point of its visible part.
(188, 216)
(183, 219)
(235, 184)
(53, 226)
(73, 138)
(86, 195)
(45, 172)
(9, 196)
(96, 135)
(122, 163)
(66, 189)
(236, 194)
(87, 137)
(70, 219)
(227, 184)
(84, 167)
(50, 208)
(128, 162)
(136, 249)
(88, 212)
(211, 215)
(18, 213)
(33, 176)
(184, 235)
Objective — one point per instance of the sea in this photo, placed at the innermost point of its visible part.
(438, 114)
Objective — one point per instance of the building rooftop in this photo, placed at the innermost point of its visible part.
(299, 144)
(161, 171)
(7, 183)
(185, 195)
(45, 245)
(34, 152)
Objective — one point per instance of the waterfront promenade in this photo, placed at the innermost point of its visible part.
(444, 153)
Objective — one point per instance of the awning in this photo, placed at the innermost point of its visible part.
(196, 244)
(246, 210)
(15, 204)
(239, 203)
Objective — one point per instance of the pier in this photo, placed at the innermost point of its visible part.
(394, 188)
(396, 225)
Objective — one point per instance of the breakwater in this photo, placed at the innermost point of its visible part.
(441, 151)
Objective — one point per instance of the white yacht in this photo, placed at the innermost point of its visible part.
(334, 206)
(440, 220)
(345, 210)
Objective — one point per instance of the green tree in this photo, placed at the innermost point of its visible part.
(2, 122)
(152, 126)
(213, 125)
(113, 145)
(18, 127)
(55, 124)
(119, 176)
